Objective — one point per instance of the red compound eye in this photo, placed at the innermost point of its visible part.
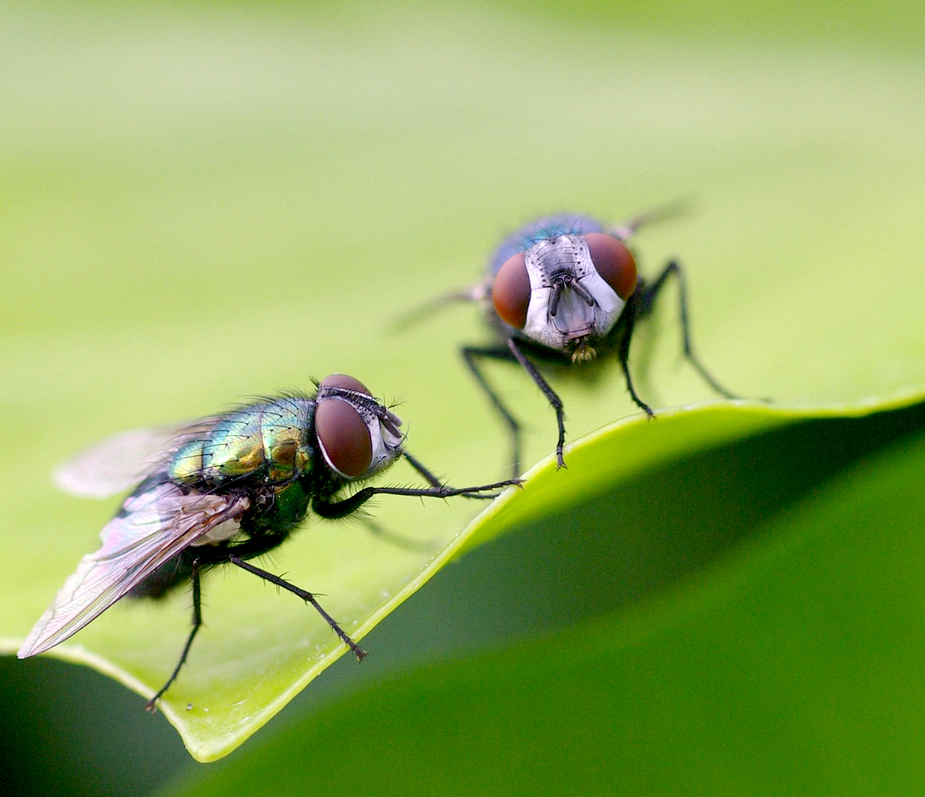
(511, 291)
(341, 430)
(344, 437)
(613, 262)
(344, 382)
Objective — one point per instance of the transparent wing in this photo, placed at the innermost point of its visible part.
(414, 316)
(152, 527)
(117, 463)
(627, 229)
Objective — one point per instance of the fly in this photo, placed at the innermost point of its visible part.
(225, 490)
(565, 289)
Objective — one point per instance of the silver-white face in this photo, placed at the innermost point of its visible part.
(569, 300)
(383, 427)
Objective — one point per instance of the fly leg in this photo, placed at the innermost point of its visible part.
(428, 475)
(630, 314)
(470, 355)
(647, 298)
(151, 705)
(551, 396)
(433, 481)
(333, 510)
(405, 542)
(305, 596)
(338, 509)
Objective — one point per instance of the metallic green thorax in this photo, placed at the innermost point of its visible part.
(269, 441)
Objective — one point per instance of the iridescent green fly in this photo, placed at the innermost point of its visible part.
(225, 490)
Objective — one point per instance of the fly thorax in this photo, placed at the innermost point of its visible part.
(569, 301)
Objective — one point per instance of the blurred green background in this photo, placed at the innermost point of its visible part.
(205, 202)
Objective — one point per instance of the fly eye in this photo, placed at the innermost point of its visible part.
(343, 434)
(345, 383)
(613, 262)
(511, 291)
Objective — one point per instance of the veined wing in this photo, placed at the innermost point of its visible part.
(117, 463)
(152, 527)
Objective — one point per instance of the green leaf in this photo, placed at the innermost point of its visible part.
(789, 666)
(211, 204)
